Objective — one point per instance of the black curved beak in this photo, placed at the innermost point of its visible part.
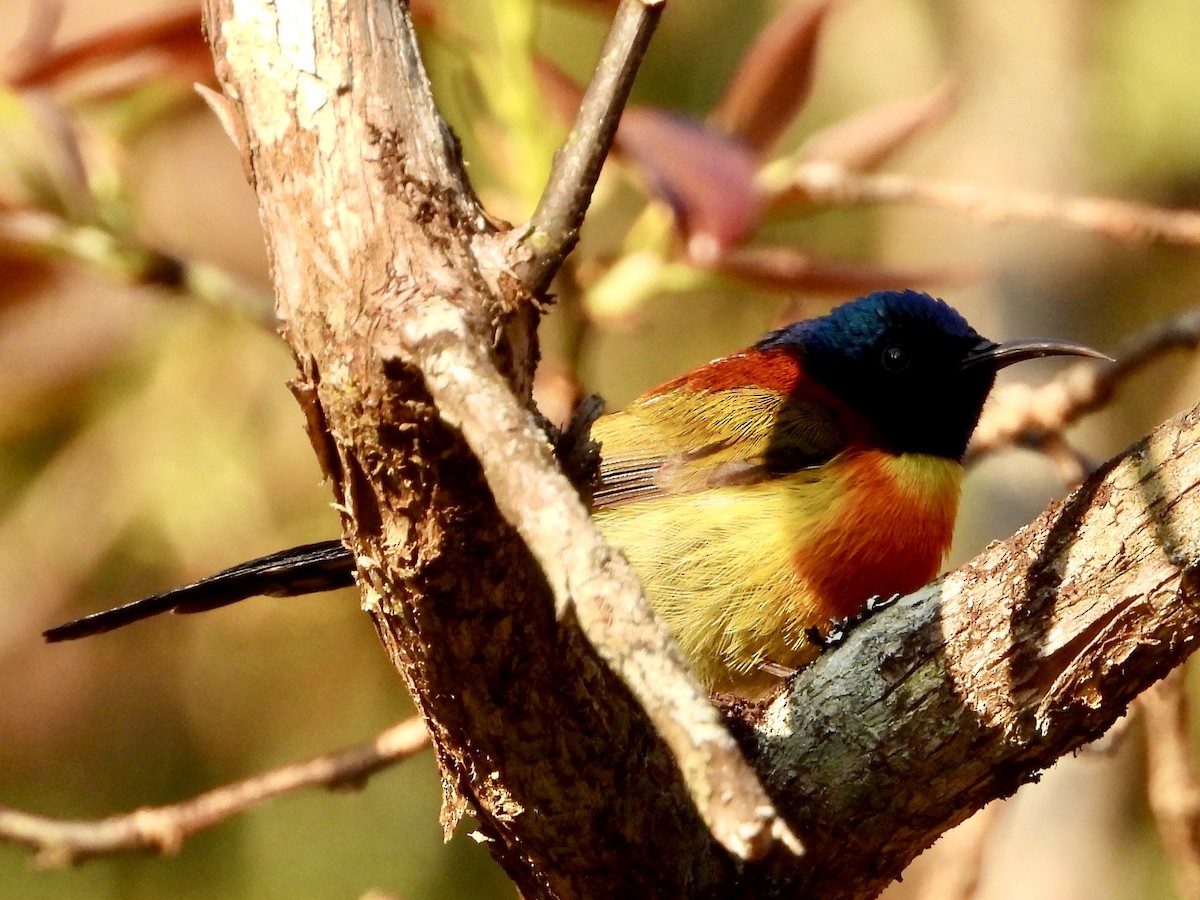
(1000, 355)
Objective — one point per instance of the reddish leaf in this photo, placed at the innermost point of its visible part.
(41, 26)
(774, 78)
(175, 35)
(707, 178)
(785, 269)
(863, 142)
(25, 275)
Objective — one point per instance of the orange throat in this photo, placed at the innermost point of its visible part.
(889, 533)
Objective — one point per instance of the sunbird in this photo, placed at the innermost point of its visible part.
(758, 497)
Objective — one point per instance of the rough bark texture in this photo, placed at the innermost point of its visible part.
(382, 260)
(371, 227)
(975, 684)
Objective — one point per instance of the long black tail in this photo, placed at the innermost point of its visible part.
(301, 570)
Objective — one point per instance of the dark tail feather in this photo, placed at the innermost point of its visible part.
(309, 569)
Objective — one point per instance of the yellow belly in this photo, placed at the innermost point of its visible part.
(740, 572)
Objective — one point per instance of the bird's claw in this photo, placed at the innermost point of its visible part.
(839, 629)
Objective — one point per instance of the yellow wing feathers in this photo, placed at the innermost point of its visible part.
(762, 522)
(736, 436)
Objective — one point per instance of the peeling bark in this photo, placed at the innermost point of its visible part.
(371, 227)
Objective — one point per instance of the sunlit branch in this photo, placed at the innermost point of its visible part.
(553, 229)
(832, 185)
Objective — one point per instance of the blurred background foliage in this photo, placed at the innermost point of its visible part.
(147, 438)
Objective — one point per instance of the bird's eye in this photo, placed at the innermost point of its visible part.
(896, 358)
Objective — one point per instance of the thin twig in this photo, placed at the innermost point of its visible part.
(553, 229)
(831, 184)
(1029, 416)
(1070, 464)
(61, 842)
(1173, 789)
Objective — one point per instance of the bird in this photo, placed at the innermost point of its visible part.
(762, 497)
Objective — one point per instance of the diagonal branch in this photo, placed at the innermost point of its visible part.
(416, 349)
(590, 581)
(968, 688)
(62, 842)
(553, 229)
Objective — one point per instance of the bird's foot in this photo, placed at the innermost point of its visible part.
(839, 629)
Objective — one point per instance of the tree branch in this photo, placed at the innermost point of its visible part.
(828, 183)
(966, 689)
(414, 342)
(63, 842)
(589, 580)
(552, 231)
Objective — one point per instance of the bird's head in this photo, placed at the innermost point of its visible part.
(910, 364)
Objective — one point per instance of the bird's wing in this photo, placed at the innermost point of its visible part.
(681, 442)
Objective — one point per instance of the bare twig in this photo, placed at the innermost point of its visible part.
(832, 184)
(786, 269)
(1174, 791)
(163, 829)
(553, 230)
(1070, 464)
(1030, 416)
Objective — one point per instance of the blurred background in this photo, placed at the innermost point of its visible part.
(147, 437)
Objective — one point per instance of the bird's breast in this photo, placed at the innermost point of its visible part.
(886, 531)
(740, 572)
